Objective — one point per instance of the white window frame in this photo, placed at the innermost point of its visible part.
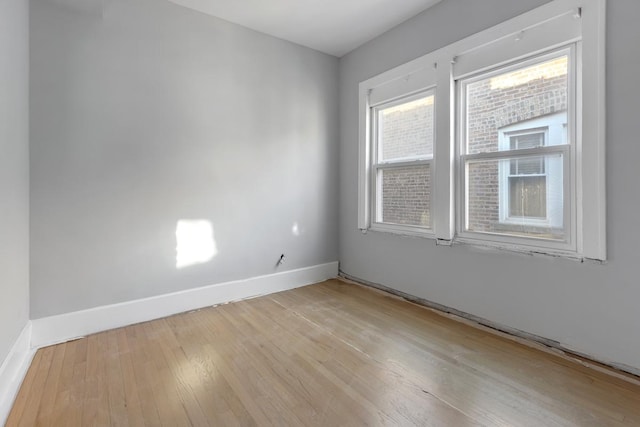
(554, 25)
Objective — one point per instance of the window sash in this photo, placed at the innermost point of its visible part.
(375, 127)
(569, 50)
(567, 244)
(380, 165)
(376, 199)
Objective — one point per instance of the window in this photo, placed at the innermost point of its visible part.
(524, 191)
(514, 147)
(398, 154)
(403, 153)
(497, 139)
(531, 190)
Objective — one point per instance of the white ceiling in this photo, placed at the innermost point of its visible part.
(331, 26)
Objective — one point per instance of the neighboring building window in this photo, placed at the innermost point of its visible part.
(403, 152)
(530, 189)
(526, 185)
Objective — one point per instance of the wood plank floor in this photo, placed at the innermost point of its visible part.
(330, 354)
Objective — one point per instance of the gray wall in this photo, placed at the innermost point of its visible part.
(14, 171)
(590, 308)
(145, 113)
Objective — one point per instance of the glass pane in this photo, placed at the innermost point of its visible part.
(527, 140)
(406, 130)
(405, 196)
(528, 196)
(528, 166)
(534, 96)
(530, 205)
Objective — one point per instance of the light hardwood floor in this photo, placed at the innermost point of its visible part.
(330, 354)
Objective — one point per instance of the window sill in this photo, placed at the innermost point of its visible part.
(401, 230)
(487, 245)
(523, 249)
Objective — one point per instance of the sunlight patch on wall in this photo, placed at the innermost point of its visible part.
(195, 243)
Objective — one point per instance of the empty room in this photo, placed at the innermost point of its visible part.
(319, 213)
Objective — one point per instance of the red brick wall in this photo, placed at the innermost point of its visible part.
(406, 195)
(406, 192)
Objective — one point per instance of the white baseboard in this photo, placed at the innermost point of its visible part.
(65, 327)
(13, 370)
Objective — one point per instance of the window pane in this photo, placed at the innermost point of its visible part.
(528, 140)
(405, 196)
(521, 205)
(406, 130)
(528, 196)
(528, 166)
(533, 93)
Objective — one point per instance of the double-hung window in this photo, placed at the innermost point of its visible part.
(403, 154)
(399, 115)
(517, 160)
(497, 139)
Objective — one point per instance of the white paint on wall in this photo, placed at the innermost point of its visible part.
(14, 172)
(153, 113)
(15, 353)
(296, 230)
(330, 26)
(586, 307)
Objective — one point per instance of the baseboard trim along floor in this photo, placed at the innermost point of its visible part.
(328, 354)
(50, 330)
(64, 327)
(13, 370)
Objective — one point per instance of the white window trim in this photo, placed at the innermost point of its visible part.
(528, 33)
